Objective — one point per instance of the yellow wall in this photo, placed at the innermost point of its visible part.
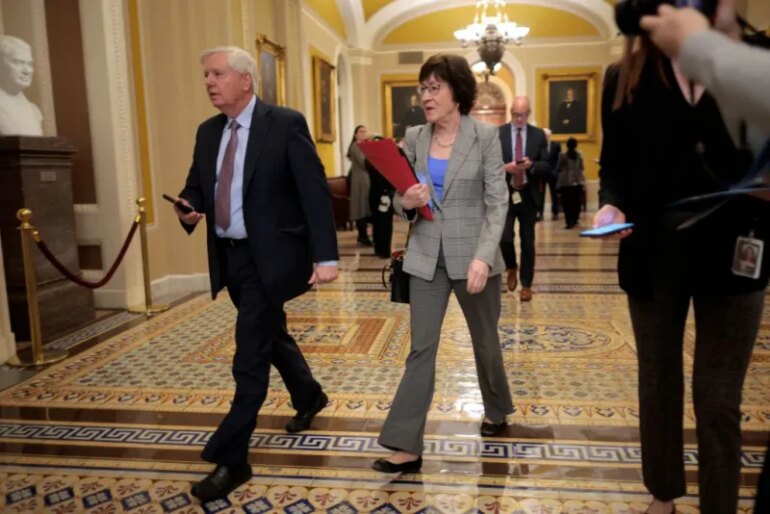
(330, 13)
(175, 101)
(371, 7)
(758, 13)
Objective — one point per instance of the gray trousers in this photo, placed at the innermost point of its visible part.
(726, 328)
(404, 427)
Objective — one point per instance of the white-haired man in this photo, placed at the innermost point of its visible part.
(257, 179)
(18, 116)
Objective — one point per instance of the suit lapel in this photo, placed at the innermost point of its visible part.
(465, 139)
(506, 143)
(258, 134)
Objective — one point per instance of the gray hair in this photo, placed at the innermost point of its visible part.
(239, 60)
(7, 43)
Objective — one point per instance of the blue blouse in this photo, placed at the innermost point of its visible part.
(437, 170)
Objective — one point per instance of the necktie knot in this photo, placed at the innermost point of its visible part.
(234, 125)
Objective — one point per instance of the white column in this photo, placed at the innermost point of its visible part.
(114, 149)
(7, 340)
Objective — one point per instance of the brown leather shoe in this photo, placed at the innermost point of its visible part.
(513, 280)
(526, 294)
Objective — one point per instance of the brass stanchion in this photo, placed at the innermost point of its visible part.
(28, 236)
(149, 309)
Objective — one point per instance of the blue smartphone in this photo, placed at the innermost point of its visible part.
(606, 230)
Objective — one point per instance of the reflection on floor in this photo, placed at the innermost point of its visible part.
(118, 427)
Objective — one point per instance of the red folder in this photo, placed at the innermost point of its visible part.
(385, 156)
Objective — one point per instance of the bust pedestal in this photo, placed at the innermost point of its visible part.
(36, 173)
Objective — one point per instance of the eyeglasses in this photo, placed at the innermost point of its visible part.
(520, 114)
(433, 89)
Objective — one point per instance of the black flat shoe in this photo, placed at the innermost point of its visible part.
(303, 420)
(385, 466)
(221, 482)
(365, 242)
(492, 429)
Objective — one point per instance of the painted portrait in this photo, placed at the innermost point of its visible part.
(323, 100)
(569, 104)
(402, 107)
(271, 67)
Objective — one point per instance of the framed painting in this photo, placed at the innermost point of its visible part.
(401, 106)
(271, 65)
(324, 100)
(570, 104)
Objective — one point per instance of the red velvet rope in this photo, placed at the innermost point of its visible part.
(79, 281)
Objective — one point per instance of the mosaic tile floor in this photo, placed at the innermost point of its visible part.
(118, 426)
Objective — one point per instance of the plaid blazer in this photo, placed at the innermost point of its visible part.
(468, 221)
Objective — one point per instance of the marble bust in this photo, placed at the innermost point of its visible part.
(18, 116)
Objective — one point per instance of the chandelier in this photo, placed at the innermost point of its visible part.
(491, 33)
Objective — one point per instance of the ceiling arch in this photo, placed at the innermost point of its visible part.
(440, 25)
(381, 17)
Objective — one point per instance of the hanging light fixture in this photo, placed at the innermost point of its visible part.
(491, 33)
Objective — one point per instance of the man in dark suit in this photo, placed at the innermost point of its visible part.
(257, 179)
(554, 149)
(525, 154)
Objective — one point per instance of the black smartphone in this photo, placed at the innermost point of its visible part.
(182, 207)
(521, 161)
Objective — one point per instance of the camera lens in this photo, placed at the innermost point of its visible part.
(628, 13)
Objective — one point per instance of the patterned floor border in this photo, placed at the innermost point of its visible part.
(356, 444)
(69, 486)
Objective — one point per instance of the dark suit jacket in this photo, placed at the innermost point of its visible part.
(660, 149)
(553, 157)
(537, 151)
(287, 207)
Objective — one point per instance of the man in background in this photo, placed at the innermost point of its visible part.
(549, 181)
(525, 154)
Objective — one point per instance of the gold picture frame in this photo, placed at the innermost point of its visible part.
(271, 66)
(324, 100)
(397, 112)
(568, 103)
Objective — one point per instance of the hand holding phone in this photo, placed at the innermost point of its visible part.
(606, 230)
(186, 209)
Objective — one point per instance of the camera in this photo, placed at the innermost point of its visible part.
(628, 13)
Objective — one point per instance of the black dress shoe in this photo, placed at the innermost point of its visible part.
(302, 420)
(492, 429)
(385, 466)
(221, 482)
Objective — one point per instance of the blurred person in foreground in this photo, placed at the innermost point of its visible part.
(738, 75)
(666, 140)
(459, 164)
